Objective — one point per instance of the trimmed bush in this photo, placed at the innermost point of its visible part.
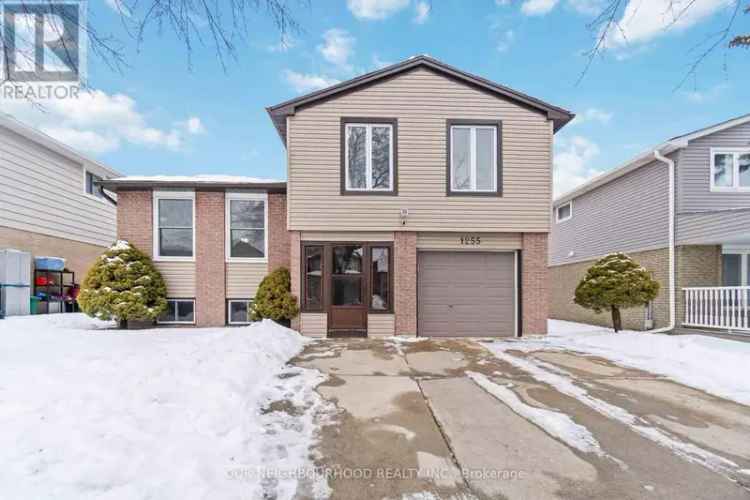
(616, 282)
(274, 299)
(123, 285)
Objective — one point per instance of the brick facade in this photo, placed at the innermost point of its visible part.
(565, 278)
(295, 263)
(405, 282)
(697, 265)
(534, 284)
(210, 300)
(135, 219)
(278, 236)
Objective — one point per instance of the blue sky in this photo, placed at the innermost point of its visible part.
(161, 117)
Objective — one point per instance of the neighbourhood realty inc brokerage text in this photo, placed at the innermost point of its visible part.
(369, 473)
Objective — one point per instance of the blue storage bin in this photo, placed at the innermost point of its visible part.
(49, 263)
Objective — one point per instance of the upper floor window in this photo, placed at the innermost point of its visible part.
(564, 212)
(730, 170)
(369, 155)
(474, 157)
(90, 181)
(174, 225)
(246, 220)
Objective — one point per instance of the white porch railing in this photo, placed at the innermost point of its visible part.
(725, 307)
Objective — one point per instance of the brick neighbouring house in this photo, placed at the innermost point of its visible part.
(402, 214)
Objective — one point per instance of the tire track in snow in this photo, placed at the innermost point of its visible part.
(545, 373)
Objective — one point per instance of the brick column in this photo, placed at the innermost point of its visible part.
(405, 282)
(278, 236)
(534, 283)
(135, 219)
(210, 300)
(696, 265)
(295, 238)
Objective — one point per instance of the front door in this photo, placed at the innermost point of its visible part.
(347, 314)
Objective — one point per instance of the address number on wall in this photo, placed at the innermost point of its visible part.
(471, 240)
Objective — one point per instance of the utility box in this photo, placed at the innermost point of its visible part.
(15, 282)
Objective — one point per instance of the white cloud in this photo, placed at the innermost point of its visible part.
(502, 3)
(592, 115)
(337, 47)
(587, 7)
(506, 40)
(193, 126)
(643, 21)
(573, 160)
(379, 63)
(119, 7)
(422, 12)
(702, 96)
(538, 7)
(375, 9)
(306, 82)
(284, 44)
(98, 122)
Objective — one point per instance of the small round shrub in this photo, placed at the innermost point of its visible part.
(274, 299)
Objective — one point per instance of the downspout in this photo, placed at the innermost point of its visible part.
(672, 298)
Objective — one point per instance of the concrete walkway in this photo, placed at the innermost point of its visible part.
(413, 423)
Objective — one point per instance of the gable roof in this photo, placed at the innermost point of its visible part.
(52, 144)
(279, 112)
(646, 157)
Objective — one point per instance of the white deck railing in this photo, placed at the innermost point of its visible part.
(723, 307)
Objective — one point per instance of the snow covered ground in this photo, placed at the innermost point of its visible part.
(89, 412)
(717, 366)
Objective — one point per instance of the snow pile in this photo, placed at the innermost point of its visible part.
(168, 414)
(717, 366)
(553, 422)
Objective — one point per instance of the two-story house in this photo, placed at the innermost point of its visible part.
(682, 210)
(417, 202)
(50, 204)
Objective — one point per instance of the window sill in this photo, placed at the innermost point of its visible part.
(247, 260)
(378, 311)
(730, 189)
(486, 194)
(174, 259)
(364, 192)
(185, 323)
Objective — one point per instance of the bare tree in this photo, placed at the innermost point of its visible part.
(222, 24)
(606, 26)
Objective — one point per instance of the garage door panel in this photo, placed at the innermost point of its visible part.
(466, 294)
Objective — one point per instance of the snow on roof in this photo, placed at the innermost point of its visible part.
(208, 179)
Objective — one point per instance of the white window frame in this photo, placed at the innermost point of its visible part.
(736, 153)
(557, 212)
(473, 154)
(179, 322)
(368, 157)
(744, 253)
(228, 198)
(170, 195)
(229, 311)
(86, 193)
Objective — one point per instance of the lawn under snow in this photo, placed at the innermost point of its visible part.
(90, 412)
(717, 366)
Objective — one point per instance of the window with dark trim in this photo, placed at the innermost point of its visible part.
(473, 158)
(313, 278)
(369, 156)
(380, 278)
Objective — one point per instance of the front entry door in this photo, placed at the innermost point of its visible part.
(347, 314)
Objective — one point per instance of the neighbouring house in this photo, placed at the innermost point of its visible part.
(628, 210)
(417, 202)
(50, 203)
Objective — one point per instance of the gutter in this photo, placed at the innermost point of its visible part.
(672, 294)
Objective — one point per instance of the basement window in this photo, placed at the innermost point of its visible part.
(179, 312)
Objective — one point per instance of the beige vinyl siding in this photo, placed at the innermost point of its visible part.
(43, 192)
(452, 241)
(314, 324)
(381, 325)
(243, 278)
(346, 236)
(180, 278)
(422, 101)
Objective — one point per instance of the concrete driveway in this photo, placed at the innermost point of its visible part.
(414, 421)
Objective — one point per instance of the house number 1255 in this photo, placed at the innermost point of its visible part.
(471, 240)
